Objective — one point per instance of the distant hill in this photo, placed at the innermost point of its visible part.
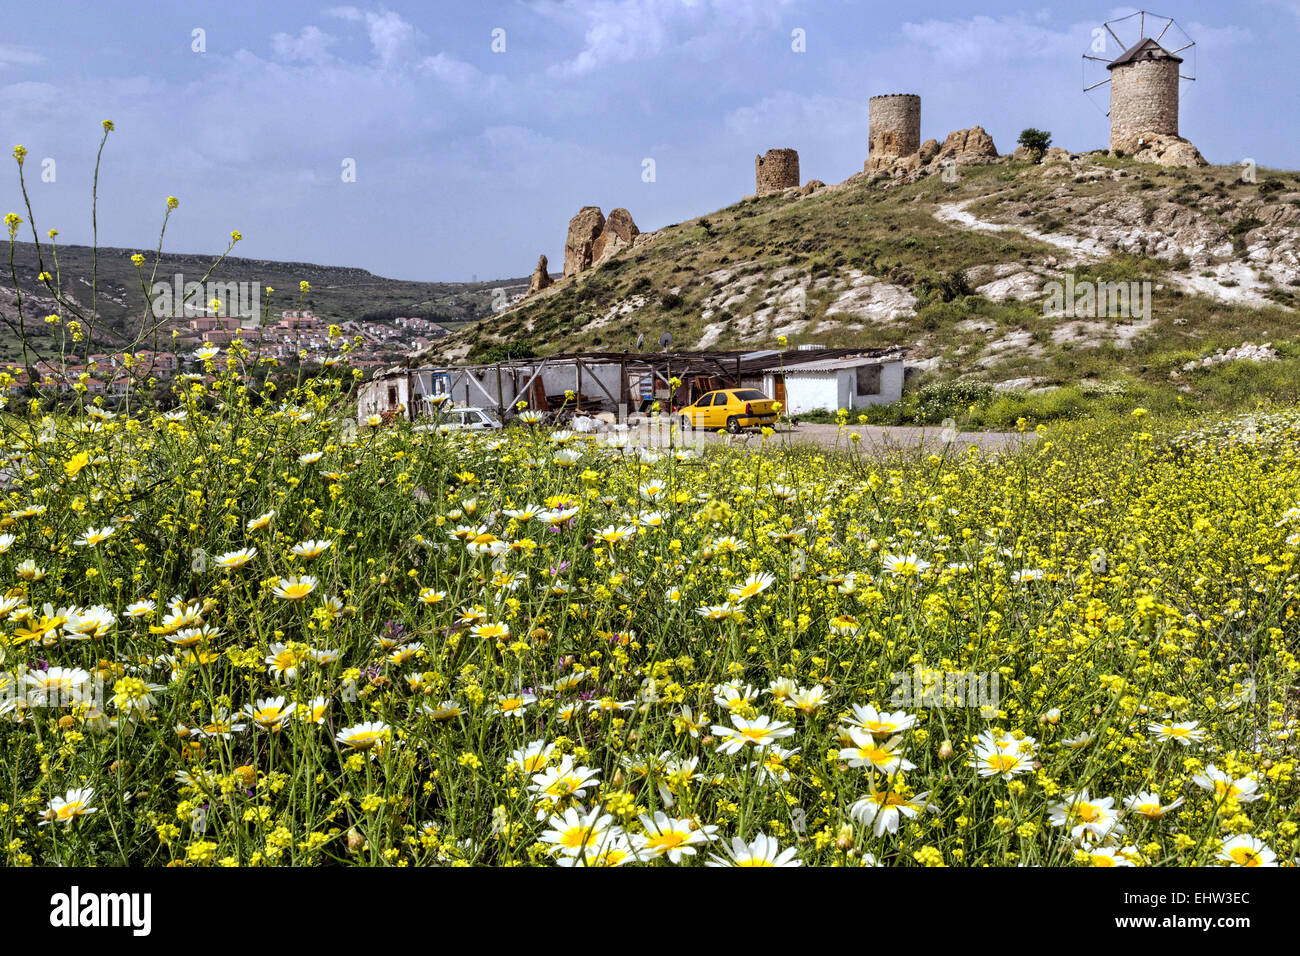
(337, 293)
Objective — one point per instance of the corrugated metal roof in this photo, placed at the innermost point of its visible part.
(835, 364)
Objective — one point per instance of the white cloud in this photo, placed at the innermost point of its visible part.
(391, 38)
(963, 44)
(11, 55)
(453, 71)
(621, 31)
(1218, 38)
(795, 117)
(310, 46)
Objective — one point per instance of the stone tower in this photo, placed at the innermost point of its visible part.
(1143, 94)
(894, 125)
(775, 170)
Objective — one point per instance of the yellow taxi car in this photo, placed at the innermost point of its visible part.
(729, 408)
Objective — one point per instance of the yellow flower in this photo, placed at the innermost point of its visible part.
(76, 463)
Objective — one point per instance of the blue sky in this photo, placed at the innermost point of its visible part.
(469, 162)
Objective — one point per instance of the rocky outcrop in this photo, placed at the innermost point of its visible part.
(541, 278)
(810, 187)
(619, 232)
(1161, 149)
(963, 147)
(1245, 352)
(584, 229)
(967, 147)
(593, 239)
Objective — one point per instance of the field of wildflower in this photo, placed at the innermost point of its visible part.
(246, 630)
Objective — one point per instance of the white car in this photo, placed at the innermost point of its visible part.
(464, 419)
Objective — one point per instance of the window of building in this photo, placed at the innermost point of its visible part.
(868, 379)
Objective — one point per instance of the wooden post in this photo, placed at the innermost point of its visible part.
(501, 408)
(624, 390)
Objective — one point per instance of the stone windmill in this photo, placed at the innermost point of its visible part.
(1145, 58)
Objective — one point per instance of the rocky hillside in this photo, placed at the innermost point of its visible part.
(958, 261)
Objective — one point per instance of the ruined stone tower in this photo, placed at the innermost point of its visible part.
(775, 170)
(894, 125)
(1143, 93)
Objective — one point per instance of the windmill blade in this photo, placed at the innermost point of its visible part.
(1184, 47)
(1095, 85)
(1099, 59)
(1166, 29)
(1122, 47)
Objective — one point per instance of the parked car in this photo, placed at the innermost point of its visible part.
(463, 419)
(729, 408)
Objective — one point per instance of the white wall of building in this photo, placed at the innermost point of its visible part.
(833, 389)
(382, 394)
(809, 391)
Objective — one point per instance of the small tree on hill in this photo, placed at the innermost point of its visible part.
(1036, 141)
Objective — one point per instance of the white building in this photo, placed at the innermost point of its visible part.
(835, 383)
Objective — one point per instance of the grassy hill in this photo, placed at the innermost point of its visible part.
(337, 292)
(959, 273)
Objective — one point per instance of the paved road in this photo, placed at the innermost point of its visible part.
(881, 438)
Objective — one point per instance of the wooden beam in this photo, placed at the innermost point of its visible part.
(536, 372)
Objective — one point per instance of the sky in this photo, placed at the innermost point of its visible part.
(445, 141)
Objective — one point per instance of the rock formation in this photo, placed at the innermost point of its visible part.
(541, 278)
(968, 147)
(619, 232)
(1159, 148)
(584, 229)
(593, 239)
